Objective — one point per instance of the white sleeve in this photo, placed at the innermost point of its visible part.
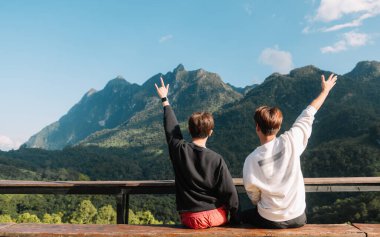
(300, 132)
(252, 191)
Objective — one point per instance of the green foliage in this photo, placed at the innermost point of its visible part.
(84, 214)
(142, 218)
(53, 218)
(163, 207)
(342, 158)
(28, 218)
(106, 215)
(65, 207)
(6, 219)
(358, 208)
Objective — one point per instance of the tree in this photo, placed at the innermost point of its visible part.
(106, 215)
(28, 218)
(53, 218)
(142, 218)
(6, 219)
(84, 213)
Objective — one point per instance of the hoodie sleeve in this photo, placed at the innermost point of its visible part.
(300, 132)
(172, 130)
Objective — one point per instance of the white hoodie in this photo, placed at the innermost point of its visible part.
(272, 172)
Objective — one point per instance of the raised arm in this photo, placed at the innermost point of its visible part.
(326, 85)
(172, 129)
(301, 129)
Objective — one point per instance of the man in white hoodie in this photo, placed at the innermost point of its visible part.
(272, 172)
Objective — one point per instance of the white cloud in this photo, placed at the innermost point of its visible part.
(331, 10)
(280, 61)
(356, 10)
(7, 144)
(356, 39)
(350, 39)
(337, 47)
(353, 23)
(165, 38)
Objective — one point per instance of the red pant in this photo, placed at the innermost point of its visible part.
(204, 219)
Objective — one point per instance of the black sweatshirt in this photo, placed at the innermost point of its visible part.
(202, 179)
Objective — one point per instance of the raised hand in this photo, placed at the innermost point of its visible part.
(328, 84)
(163, 90)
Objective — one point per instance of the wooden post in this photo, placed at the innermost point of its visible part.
(126, 213)
(122, 207)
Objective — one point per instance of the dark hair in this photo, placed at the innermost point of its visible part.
(200, 124)
(269, 119)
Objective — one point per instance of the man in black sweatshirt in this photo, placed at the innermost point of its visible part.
(205, 192)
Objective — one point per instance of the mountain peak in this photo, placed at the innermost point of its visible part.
(365, 70)
(90, 92)
(118, 81)
(306, 70)
(179, 68)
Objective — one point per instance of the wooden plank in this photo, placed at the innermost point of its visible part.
(341, 188)
(350, 184)
(5, 225)
(170, 183)
(142, 183)
(32, 230)
(372, 230)
(342, 180)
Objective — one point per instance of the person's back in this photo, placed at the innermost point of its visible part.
(272, 172)
(204, 188)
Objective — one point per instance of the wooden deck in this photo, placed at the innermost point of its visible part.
(372, 230)
(310, 230)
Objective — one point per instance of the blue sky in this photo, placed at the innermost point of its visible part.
(52, 52)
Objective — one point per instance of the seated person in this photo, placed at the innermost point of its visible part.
(205, 192)
(272, 173)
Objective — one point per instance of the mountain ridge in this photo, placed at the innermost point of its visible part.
(121, 102)
(121, 111)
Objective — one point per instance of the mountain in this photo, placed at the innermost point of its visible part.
(122, 105)
(366, 70)
(95, 111)
(189, 91)
(242, 90)
(351, 111)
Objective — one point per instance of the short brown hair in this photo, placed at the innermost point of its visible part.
(269, 119)
(200, 124)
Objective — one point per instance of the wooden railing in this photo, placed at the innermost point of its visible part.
(122, 189)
